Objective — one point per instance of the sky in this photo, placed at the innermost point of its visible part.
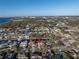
(38, 7)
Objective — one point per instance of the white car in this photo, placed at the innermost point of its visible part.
(12, 44)
(23, 44)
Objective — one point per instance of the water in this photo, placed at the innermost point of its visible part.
(4, 20)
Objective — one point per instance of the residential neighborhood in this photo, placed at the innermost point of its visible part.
(35, 39)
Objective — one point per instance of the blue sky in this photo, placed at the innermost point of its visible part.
(38, 7)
